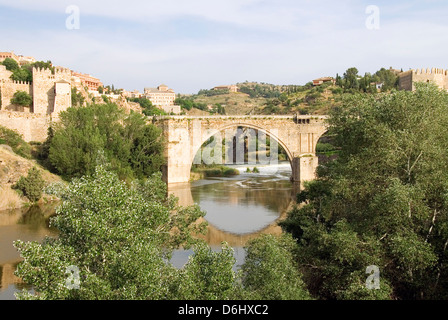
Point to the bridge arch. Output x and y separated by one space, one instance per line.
268 132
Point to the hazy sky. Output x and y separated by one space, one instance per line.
199 44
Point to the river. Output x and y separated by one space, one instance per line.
237 208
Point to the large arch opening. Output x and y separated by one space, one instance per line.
239 145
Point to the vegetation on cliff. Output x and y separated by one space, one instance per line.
25 72
17 159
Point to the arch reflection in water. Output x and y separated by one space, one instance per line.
241 207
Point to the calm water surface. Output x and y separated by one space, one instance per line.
237 209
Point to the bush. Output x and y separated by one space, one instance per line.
32 185
22 98
15 141
220 171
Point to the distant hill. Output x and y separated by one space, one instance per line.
260 98
264 98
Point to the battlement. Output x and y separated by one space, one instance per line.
43 71
21 82
431 71
62 70
438 76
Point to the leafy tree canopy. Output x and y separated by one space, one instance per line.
130 144
383 201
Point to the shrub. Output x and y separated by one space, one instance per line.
32 185
15 141
22 98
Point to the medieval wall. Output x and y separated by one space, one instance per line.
8 88
33 127
4 73
44 89
437 76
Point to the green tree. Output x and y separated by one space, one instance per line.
22 98
270 272
130 144
77 98
10 64
32 185
351 79
388 78
22 74
382 202
15 140
145 145
208 275
117 236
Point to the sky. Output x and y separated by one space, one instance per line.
198 44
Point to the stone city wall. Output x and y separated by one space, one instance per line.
437 76
33 127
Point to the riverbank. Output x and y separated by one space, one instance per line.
12 167
199 172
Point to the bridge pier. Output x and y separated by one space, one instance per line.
304 168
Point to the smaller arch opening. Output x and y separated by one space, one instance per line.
326 150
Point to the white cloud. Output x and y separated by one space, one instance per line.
281 42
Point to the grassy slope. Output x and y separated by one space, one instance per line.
309 101
12 166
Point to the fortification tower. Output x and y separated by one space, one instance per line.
45 90
437 76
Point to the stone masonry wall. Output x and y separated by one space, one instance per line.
33 127
8 88
437 76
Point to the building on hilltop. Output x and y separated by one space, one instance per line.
407 79
11 55
91 82
231 88
132 94
21 60
160 96
319 81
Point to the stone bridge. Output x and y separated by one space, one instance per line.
184 136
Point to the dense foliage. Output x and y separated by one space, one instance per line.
189 103
383 202
130 144
77 98
32 185
22 98
116 239
25 72
352 82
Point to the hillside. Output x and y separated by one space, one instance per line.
265 98
12 167
260 98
